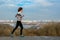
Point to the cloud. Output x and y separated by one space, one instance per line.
43 2
26 2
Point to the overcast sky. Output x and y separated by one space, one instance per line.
32 9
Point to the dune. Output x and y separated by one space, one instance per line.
49 29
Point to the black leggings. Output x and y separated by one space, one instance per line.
18 24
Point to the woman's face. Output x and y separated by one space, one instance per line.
21 11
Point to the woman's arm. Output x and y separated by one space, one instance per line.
22 15
16 15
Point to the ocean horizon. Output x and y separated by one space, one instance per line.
26 22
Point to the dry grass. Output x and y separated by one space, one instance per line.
49 29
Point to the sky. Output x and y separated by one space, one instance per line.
32 9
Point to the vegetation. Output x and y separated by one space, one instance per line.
49 29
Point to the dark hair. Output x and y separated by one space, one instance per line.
19 9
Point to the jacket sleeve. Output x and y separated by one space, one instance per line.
16 15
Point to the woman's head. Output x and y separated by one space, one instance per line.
20 9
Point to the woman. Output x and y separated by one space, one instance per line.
19 23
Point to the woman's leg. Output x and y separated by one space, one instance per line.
21 31
15 27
